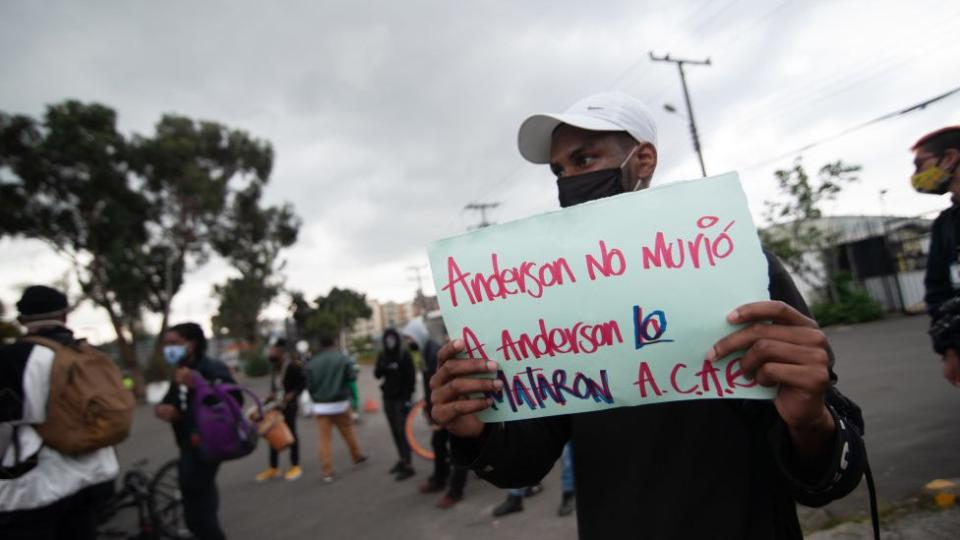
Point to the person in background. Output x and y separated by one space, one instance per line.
285 393
444 469
395 367
185 348
44 494
937 164
567 483
329 375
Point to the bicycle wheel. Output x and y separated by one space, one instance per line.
165 502
413 429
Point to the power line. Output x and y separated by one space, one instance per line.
795 98
912 108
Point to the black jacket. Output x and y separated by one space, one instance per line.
943 253
682 470
395 367
293 381
214 371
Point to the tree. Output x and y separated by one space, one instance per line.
346 306
256 237
795 234
191 173
65 182
7 330
132 215
328 316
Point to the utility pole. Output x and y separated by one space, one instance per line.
417 270
482 208
686 96
889 259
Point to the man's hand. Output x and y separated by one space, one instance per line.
453 408
951 367
783 346
183 375
166 412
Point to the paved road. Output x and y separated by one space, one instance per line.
912 434
912 427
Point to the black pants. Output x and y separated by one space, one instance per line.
73 517
442 465
397 411
290 417
198 487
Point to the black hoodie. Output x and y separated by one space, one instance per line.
395 367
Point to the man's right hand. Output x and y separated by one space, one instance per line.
453 407
951 367
166 412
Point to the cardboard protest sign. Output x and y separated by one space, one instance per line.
607 304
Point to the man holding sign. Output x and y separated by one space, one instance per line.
685 466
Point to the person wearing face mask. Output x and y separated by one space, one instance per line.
287 381
685 469
395 367
45 494
937 163
185 348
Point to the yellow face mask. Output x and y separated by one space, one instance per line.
934 180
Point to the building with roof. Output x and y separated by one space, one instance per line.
886 254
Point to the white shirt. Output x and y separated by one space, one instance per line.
330 409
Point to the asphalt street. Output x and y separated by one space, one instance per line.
886 367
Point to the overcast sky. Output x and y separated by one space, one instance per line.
387 117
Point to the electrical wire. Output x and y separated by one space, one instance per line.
895 114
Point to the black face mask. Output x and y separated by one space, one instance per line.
593 185
590 186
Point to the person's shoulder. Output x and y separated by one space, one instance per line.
947 214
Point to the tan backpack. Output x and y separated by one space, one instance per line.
88 407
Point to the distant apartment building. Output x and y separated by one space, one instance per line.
393 315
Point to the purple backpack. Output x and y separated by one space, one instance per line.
223 432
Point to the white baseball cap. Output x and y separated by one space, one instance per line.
606 111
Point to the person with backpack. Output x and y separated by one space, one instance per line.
395 367
56 469
185 347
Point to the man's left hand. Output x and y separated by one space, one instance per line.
784 347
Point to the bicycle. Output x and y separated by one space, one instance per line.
157 502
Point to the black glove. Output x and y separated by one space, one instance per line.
945 331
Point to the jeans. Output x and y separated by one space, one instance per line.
566 475
344 424
70 518
442 465
397 411
198 487
290 417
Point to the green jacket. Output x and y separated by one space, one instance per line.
328 377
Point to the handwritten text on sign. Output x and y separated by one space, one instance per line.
608 304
